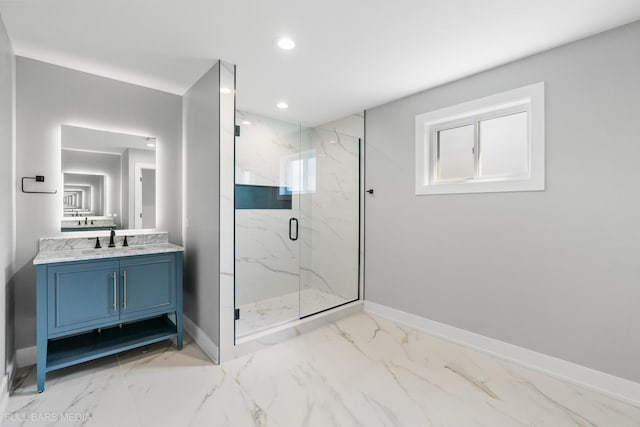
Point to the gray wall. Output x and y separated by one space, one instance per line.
7 194
555 271
201 123
48 96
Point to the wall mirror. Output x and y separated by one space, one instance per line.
109 180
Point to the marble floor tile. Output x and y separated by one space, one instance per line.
359 371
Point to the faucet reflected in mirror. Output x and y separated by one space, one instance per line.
108 179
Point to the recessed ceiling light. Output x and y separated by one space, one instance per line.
333 141
225 90
286 43
282 105
151 145
246 122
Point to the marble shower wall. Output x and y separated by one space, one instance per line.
325 258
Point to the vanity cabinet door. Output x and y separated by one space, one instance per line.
148 285
81 296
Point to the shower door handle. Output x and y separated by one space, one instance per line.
291 235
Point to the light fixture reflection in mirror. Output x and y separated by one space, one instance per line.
108 179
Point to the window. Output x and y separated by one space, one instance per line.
486 145
298 173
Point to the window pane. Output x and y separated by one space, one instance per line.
294 181
310 175
503 146
455 153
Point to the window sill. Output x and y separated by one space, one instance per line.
480 186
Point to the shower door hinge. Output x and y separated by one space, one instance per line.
236 315
237 132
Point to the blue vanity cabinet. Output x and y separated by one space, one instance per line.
147 285
88 309
81 296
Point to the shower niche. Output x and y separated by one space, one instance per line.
297 221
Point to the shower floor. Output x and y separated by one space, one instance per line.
265 314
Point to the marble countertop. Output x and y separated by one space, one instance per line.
64 255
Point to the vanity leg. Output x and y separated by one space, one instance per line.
41 361
41 326
179 299
40 375
179 327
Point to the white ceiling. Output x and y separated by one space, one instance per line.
350 54
102 141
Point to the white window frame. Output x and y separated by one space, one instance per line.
528 98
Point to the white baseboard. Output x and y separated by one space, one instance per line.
26 356
204 342
601 382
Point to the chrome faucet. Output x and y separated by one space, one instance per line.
112 244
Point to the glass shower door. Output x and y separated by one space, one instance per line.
329 220
297 222
267 223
